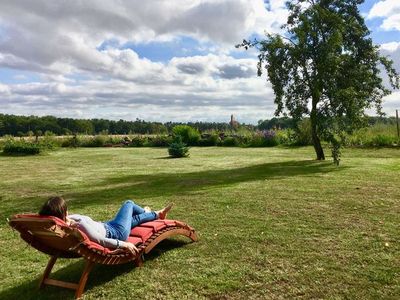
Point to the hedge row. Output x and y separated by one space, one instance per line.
375 136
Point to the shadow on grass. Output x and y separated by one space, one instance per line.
100 275
116 189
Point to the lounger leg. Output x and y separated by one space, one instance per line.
139 260
47 271
82 282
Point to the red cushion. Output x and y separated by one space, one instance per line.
134 240
169 222
156 226
143 232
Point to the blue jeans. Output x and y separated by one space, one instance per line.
128 216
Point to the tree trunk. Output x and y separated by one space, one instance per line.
314 134
317 143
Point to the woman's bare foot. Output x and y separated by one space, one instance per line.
162 214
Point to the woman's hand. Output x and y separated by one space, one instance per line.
129 246
72 223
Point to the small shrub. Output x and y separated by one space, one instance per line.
377 135
178 148
266 138
303 133
382 140
49 141
230 141
113 140
159 141
270 139
138 141
209 140
96 141
21 147
73 141
286 137
189 135
243 140
257 140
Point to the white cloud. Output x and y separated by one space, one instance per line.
384 8
4 89
390 47
392 23
389 10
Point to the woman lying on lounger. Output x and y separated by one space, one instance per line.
111 234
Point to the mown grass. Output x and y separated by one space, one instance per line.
273 224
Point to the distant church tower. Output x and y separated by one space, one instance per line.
233 122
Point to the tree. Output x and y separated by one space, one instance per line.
325 66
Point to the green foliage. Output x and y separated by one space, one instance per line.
303 133
265 138
96 141
230 141
11 124
325 67
189 135
257 141
21 147
286 137
209 140
377 135
159 141
49 142
177 148
73 141
138 141
336 150
13 146
276 123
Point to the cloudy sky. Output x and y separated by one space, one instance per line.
158 60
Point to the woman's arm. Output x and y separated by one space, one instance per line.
96 233
116 244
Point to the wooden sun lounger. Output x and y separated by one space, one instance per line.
54 237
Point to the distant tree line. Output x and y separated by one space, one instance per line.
33 125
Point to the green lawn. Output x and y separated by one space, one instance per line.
273 224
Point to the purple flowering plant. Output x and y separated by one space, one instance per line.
269 134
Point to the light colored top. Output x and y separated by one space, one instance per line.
95 231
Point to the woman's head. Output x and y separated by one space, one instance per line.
56 207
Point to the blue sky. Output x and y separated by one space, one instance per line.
156 60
